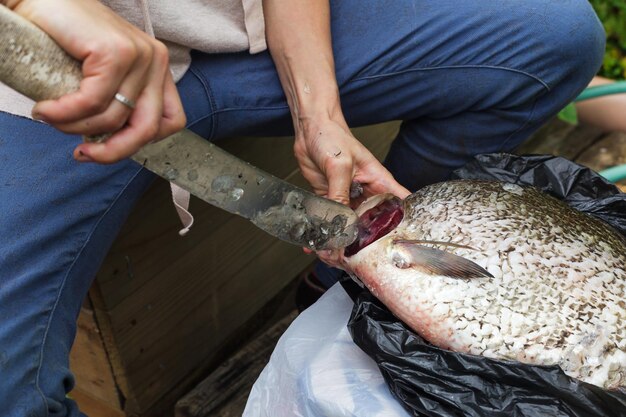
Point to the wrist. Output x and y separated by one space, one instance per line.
313 123
313 107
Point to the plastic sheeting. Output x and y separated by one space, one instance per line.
317 371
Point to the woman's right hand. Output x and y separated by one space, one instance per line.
116 57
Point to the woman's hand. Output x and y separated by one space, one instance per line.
117 58
331 159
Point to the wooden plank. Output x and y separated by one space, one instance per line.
225 391
562 139
95 407
168 303
90 365
608 152
281 305
189 340
585 145
142 239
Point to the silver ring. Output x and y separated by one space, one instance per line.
124 100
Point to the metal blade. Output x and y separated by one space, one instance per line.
223 180
33 64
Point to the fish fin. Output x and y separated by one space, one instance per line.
439 262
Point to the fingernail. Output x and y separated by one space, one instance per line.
38 116
81 157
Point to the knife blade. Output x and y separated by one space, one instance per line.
33 64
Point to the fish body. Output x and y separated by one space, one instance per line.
552 288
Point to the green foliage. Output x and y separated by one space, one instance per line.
612 13
569 114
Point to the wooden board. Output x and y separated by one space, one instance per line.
167 305
225 392
588 146
607 152
562 139
92 370
95 407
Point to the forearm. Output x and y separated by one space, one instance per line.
299 40
329 156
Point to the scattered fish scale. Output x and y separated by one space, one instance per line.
557 286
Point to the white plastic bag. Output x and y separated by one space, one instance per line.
317 371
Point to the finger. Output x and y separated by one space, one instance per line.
174 118
143 126
331 257
313 176
339 171
103 77
387 184
117 113
398 190
376 179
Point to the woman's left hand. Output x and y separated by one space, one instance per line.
331 159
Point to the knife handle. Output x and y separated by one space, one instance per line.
33 64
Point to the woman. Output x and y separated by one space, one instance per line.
465 77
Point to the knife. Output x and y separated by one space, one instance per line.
33 64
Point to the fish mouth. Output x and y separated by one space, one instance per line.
377 217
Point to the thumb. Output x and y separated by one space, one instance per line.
399 191
339 181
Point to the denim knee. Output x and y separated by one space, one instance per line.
576 40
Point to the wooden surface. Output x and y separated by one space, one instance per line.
168 306
608 151
90 364
224 393
585 145
94 407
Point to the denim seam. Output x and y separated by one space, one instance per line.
530 116
62 287
251 109
209 93
371 77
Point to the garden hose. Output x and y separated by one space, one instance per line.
602 90
617 173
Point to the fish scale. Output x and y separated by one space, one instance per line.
556 295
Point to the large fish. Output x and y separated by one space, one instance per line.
502 271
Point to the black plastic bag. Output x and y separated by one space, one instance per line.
434 382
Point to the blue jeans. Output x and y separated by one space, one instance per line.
465 77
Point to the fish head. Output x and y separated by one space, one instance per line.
381 223
378 215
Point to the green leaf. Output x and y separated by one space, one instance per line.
568 114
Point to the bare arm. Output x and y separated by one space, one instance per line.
299 40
